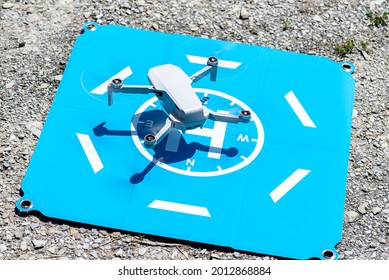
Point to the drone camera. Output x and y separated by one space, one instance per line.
116 83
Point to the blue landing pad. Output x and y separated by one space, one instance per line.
274 186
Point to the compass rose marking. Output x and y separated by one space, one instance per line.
122 75
299 109
90 152
179 207
288 184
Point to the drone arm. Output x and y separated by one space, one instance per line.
164 131
244 117
116 86
211 69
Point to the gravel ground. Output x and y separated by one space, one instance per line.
35 42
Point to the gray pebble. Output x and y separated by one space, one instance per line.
142 251
3 247
119 252
351 216
23 246
376 210
18 234
362 209
86 246
215 256
244 14
236 254
7 5
94 254
38 244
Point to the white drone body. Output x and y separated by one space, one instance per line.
173 88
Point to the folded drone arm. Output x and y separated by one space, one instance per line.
244 117
211 69
117 86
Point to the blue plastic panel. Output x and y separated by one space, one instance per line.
274 186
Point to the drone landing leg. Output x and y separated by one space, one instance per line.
152 140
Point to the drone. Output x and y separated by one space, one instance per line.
173 88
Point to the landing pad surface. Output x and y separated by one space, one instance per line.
273 186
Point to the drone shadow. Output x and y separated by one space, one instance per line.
150 122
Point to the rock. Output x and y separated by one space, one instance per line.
119 253
236 254
34 225
348 253
23 246
385 211
373 244
382 240
244 14
318 19
8 5
142 251
215 256
9 85
3 247
376 210
204 251
51 249
38 244
362 209
34 127
58 77
94 254
86 246
351 216
18 234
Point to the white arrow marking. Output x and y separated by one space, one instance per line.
221 63
299 110
90 152
181 208
125 73
288 184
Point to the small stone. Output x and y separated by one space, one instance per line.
376 210
204 251
21 44
355 113
87 14
362 209
9 85
23 246
373 244
119 253
142 251
44 85
34 127
351 216
98 240
51 249
244 14
373 255
348 253
58 77
73 231
3 247
38 244
18 234
7 5
215 256
174 254
34 225
115 234
382 240
94 254
86 246
236 254
318 18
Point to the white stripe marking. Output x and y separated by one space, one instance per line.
125 73
221 63
181 208
254 140
243 157
219 168
288 184
90 152
299 110
188 168
153 105
232 103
